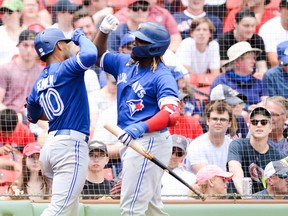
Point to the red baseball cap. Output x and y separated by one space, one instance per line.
32 148
210 171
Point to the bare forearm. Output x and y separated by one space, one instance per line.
100 42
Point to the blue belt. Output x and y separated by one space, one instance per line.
70 132
163 130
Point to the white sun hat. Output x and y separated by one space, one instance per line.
239 49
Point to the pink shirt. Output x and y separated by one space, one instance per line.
17 84
156 14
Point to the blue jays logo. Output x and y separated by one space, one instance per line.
135 105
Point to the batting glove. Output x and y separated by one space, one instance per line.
109 23
76 35
132 132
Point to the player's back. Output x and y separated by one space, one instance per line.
61 91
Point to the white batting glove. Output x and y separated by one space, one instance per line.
125 138
109 23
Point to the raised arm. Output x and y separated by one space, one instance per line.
109 23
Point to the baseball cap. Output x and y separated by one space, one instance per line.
275 167
182 95
32 148
226 93
239 49
282 52
260 110
26 35
66 5
176 72
36 27
13 5
179 141
127 38
210 171
97 145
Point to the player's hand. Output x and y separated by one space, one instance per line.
133 131
109 23
76 35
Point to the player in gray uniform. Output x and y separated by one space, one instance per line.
59 95
147 98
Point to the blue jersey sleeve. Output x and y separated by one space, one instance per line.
88 53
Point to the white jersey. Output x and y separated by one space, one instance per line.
201 150
199 62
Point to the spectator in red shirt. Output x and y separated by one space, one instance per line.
188 126
12 132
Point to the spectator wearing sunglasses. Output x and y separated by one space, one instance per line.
211 179
171 187
276 78
10 30
212 146
156 14
275 182
248 157
277 106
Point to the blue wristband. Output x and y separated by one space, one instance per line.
137 130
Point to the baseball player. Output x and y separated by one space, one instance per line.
147 104
59 96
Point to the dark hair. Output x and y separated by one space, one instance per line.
80 14
8 120
25 178
220 107
246 12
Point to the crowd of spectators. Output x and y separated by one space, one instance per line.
241 131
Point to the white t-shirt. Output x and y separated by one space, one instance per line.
201 150
273 34
198 62
8 46
172 188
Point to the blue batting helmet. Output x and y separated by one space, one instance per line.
46 40
158 37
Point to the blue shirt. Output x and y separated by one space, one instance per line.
281 146
253 88
60 91
185 21
276 81
139 90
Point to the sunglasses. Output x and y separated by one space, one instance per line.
6 10
136 8
128 47
262 121
222 120
282 176
177 152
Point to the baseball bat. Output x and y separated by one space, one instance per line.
116 131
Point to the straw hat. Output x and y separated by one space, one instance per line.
239 49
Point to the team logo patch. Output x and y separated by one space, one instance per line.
135 105
256 172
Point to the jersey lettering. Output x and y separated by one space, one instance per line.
138 89
122 77
51 103
45 83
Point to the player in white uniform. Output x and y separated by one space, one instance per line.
147 104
